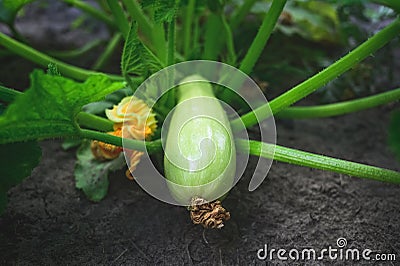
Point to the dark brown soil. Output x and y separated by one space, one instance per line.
49 222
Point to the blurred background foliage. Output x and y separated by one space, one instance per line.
312 35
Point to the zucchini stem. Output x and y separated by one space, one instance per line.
262 36
42 59
119 16
302 158
340 108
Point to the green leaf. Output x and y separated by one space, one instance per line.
394 133
91 175
137 59
48 108
164 10
10 8
18 160
313 20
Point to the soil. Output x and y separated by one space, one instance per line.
49 222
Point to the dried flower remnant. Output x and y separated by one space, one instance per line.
208 214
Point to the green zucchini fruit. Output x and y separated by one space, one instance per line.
200 156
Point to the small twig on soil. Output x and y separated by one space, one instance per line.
119 256
204 237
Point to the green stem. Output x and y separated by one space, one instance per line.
154 33
8 95
230 44
94 122
159 43
196 33
212 37
137 14
323 77
94 12
106 55
308 159
187 27
42 59
151 146
241 12
171 43
262 36
119 17
341 108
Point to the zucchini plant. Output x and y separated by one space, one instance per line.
114 116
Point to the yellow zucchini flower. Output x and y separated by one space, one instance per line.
132 119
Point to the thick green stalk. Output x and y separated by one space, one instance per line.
42 59
308 159
159 43
196 33
333 71
106 55
91 11
212 37
262 36
137 14
151 146
154 33
230 45
119 17
94 122
341 108
187 27
171 43
241 12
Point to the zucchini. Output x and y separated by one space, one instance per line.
200 155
